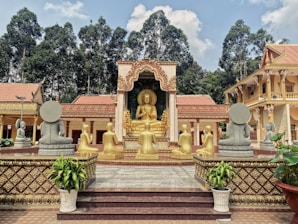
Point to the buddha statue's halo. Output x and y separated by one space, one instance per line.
239 113
152 94
51 111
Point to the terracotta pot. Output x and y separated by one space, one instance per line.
291 194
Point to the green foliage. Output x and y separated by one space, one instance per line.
22 33
277 139
224 136
219 175
68 173
6 142
287 156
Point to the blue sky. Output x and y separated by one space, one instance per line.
205 22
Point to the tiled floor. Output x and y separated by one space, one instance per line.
111 176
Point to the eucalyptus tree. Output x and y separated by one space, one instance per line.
191 81
5 53
94 44
134 46
22 33
115 51
53 60
235 51
158 40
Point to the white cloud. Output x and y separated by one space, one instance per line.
283 21
68 9
185 20
268 3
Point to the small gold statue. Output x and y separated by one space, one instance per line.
185 149
85 139
146 140
207 139
111 148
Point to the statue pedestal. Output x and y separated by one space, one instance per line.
267 145
56 150
147 157
86 152
182 157
110 156
22 144
235 151
131 143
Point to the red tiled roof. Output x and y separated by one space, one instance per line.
194 100
95 99
189 106
88 110
9 91
281 54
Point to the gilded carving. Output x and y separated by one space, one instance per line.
139 67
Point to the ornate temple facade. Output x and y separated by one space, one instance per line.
271 92
196 111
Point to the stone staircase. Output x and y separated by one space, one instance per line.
144 204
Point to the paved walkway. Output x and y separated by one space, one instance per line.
111 176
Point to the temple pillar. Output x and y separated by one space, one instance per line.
289 124
1 125
173 117
198 142
35 118
119 130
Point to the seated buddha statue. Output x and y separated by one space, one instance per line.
146 113
184 151
112 150
86 138
207 140
21 139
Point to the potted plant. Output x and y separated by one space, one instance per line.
287 175
69 175
218 178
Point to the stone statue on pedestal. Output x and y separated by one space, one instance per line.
267 143
237 143
111 148
21 140
52 141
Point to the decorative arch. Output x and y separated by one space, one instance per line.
142 66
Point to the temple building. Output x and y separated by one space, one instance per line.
271 92
134 77
20 100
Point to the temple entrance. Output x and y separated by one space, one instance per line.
146 82
146 92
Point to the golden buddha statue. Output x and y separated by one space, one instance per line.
85 139
208 147
146 112
146 140
184 142
111 148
